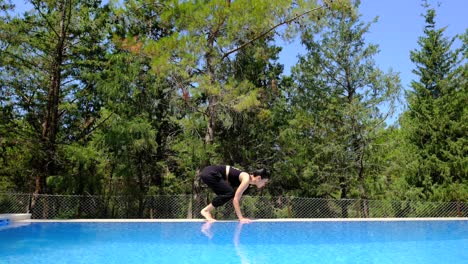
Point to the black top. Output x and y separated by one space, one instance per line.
232 178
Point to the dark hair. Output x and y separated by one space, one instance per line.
263 173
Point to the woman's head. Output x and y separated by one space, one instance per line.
263 173
260 177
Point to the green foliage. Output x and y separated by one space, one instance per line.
436 120
333 136
206 36
48 74
134 97
138 118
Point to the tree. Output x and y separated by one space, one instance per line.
249 137
436 119
208 34
140 105
337 102
49 56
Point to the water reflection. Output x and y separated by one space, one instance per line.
239 248
206 229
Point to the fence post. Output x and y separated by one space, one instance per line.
190 207
28 208
459 214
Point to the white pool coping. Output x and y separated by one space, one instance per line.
256 220
16 217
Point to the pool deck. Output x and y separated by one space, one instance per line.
255 220
16 217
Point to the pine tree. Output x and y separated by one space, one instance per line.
138 105
436 120
337 103
49 57
208 34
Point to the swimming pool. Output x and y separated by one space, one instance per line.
231 242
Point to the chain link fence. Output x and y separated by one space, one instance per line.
188 206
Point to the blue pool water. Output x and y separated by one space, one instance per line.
4 221
230 242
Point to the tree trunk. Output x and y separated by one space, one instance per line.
142 189
209 136
195 203
362 191
344 197
50 124
212 99
361 178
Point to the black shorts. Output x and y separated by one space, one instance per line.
213 177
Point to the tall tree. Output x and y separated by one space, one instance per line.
208 34
49 56
249 137
139 104
337 102
436 119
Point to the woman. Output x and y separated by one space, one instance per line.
223 180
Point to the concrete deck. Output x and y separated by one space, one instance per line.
16 217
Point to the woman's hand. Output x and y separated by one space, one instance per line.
245 220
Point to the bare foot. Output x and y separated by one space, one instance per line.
207 215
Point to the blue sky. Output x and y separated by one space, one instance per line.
396 32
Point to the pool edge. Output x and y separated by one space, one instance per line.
16 217
256 220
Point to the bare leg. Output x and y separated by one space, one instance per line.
206 212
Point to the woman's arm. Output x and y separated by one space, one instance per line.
245 180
